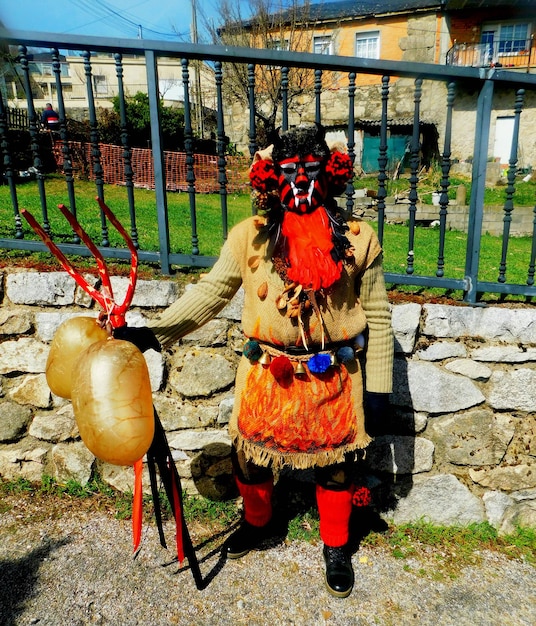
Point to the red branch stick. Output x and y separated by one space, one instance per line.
115 312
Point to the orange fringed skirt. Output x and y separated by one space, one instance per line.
308 421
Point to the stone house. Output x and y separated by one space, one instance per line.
495 35
104 81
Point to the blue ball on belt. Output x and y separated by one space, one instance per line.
252 350
319 363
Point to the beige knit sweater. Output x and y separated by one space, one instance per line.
358 301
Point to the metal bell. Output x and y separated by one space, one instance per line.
300 369
265 359
333 359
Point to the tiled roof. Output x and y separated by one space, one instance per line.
363 8
395 121
344 9
452 5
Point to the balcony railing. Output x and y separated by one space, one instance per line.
518 53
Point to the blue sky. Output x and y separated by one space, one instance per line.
159 19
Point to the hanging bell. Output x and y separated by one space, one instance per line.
300 369
265 359
333 359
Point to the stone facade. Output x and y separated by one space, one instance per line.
415 37
460 445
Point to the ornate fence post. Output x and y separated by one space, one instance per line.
414 178
34 136
382 158
190 159
95 148
8 169
445 180
221 143
127 152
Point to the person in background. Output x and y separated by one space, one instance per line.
49 118
315 307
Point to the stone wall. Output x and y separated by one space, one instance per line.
521 224
459 447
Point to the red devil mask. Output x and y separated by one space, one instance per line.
302 183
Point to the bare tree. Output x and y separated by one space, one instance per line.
270 27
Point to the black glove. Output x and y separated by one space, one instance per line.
377 413
143 338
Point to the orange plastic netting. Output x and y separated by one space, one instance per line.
113 168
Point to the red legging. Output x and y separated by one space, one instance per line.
257 501
334 510
334 493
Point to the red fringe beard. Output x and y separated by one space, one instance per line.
309 246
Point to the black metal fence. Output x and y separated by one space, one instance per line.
482 83
17 119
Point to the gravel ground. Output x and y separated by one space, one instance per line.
75 567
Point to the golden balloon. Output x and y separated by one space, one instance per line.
112 401
71 339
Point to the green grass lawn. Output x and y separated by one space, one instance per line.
208 210
426 250
525 192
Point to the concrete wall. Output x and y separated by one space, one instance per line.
459 447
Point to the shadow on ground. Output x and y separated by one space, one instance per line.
18 580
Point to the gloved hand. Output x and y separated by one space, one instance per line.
377 413
143 338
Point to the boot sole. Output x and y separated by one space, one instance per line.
338 594
237 555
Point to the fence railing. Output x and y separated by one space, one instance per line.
415 76
510 53
17 119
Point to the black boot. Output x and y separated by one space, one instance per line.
339 572
246 538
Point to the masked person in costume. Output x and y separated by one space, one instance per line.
314 288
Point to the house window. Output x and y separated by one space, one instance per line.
65 88
43 69
47 69
278 44
323 45
100 85
367 45
504 39
513 38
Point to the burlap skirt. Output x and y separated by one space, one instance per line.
309 420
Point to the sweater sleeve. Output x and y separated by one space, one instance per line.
200 303
380 345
